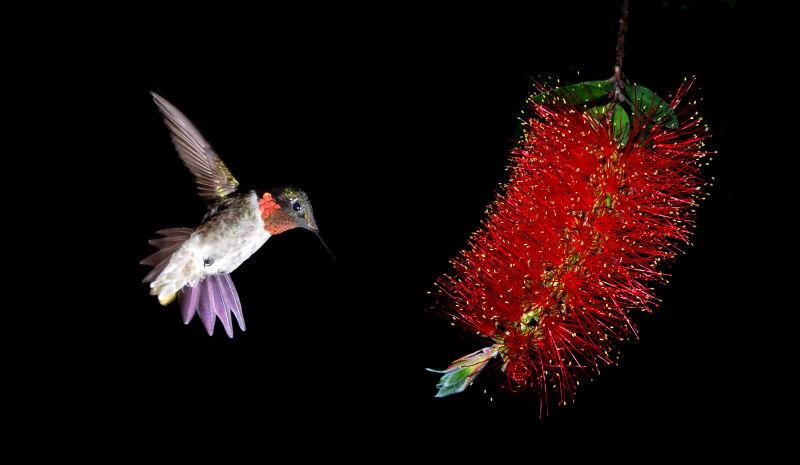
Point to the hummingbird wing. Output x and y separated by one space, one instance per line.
214 180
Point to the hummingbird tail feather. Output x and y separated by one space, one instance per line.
232 297
188 299
213 297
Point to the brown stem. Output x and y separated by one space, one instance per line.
617 78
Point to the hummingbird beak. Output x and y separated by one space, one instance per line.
311 225
316 233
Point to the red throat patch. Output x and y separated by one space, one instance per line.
276 220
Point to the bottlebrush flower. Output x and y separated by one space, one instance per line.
598 197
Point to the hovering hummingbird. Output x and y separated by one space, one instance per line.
195 265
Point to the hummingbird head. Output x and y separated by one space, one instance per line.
286 208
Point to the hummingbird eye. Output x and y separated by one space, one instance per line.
297 206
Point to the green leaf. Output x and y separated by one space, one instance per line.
598 112
619 121
646 102
621 124
576 94
462 372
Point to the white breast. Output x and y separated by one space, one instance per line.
238 243
226 247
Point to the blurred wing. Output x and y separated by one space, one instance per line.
213 179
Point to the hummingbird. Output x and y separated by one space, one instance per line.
194 265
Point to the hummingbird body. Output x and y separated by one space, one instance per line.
194 265
231 233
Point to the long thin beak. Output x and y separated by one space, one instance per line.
324 244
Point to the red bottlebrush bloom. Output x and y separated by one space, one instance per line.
595 201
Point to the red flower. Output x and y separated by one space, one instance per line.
573 242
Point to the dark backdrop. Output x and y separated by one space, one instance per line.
398 124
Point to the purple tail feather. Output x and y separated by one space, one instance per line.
213 297
232 297
188 299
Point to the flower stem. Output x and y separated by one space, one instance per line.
617 78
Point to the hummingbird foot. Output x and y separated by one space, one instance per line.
167 298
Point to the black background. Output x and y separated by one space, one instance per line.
397 123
